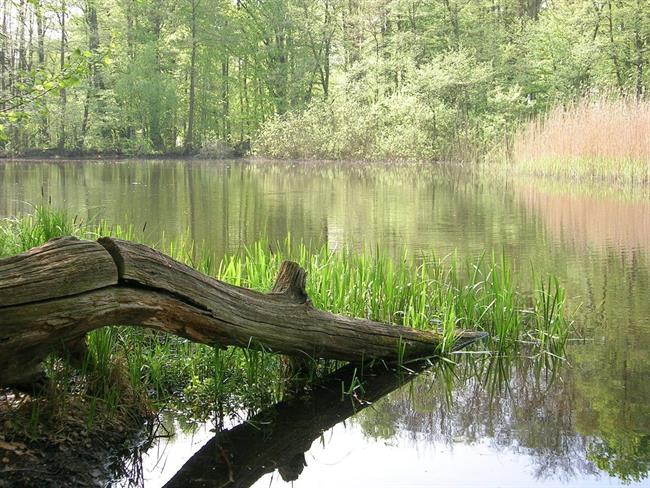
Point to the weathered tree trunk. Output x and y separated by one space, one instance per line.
54 294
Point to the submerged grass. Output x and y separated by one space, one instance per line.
426 292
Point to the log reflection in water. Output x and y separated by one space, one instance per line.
278 437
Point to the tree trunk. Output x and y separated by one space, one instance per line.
225 97
95 81
40 49
63 94
4 48
22 57
639 47
613 50
54 294
189 136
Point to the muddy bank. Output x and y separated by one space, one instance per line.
80 443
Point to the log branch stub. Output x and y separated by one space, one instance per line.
291 282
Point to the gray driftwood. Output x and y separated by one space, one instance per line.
54 294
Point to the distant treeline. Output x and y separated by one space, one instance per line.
361 79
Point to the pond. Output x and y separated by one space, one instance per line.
588 425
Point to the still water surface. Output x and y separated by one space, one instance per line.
588 427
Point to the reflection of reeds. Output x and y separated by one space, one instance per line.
588 220
608 139
516 403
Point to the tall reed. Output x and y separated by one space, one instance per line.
604 139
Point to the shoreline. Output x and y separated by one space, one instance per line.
115 157
65 450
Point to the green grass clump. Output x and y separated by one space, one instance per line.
424 292
33 229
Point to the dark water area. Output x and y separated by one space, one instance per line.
589 425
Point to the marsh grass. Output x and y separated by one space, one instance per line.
33 229
426 292
606 139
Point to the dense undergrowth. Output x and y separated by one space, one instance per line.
135 366
450 109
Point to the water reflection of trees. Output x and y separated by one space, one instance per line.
525 406
226 205
278 436
517 405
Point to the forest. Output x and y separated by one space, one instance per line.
329 79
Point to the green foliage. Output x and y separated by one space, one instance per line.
624 455
448 108
29 96
452 80
369 79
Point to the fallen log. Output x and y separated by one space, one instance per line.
54 294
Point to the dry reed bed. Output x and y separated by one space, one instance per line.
606 139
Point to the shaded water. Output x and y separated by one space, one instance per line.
589 427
